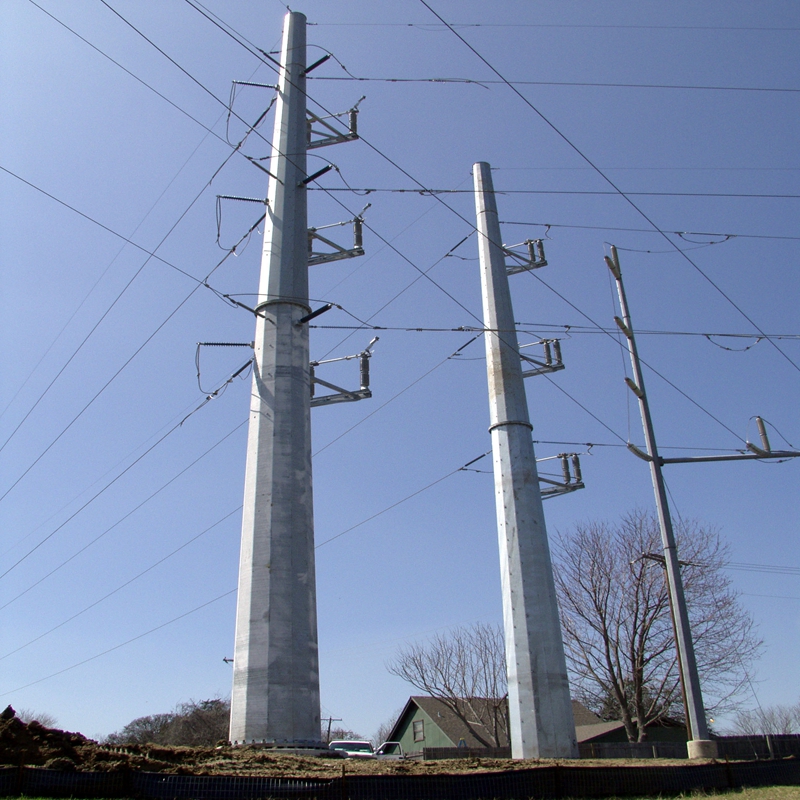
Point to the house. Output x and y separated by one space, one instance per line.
427 724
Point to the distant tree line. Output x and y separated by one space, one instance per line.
195 723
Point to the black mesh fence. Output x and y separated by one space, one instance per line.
542 782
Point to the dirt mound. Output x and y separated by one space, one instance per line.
34 745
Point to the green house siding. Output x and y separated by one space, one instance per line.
433 735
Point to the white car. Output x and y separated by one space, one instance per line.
390 751
353 749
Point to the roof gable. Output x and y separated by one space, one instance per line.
478 712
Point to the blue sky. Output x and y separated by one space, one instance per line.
120 528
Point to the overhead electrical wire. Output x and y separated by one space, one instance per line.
132 75
397 166
150 254
398 394
446 26
602 192
122 473
141 347
608 180
472 226
193 609
682 234
121 586
580 84
125 516
122 644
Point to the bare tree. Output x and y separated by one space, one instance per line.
42 717
466 670
385 728
617 625
773 721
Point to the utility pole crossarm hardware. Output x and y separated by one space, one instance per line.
535 259
330 134
343 395
756 453
572 478
552 358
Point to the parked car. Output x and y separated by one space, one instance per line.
390 751
353 749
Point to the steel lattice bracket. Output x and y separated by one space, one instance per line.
552 358
342 395
573 480
338 252
535 258
330 134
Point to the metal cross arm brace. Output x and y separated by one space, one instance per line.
535 258
342 395
330 134
572 479
552 358
756 453
339 252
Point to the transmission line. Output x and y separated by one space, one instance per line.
608 180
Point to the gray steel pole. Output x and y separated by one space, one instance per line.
540 711
275 669
700 746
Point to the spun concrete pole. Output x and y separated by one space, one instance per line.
540 710
275 693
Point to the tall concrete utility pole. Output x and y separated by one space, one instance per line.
275 694
540 711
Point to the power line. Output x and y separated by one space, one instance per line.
124 69
768 568
399 502
608 180
472 226
599 192
130 513
445 26
120 475
97 282
122 586
651 231
125 643
581 84
398 394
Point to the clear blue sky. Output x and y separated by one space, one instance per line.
690 109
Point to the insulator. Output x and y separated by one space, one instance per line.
358 233
540 249
310 243
548 355
565 467
308 131
365 372
576 468
354 123
762 432
313 382
557 350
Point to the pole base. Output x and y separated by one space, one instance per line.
702 748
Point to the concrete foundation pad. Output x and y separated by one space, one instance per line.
702 748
